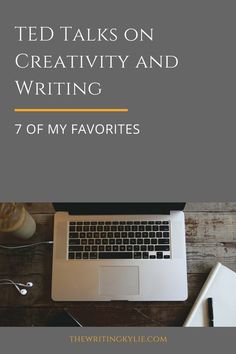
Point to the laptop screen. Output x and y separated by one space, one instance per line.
117 208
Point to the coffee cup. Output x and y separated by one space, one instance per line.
16 221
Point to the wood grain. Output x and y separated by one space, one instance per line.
213 207
210 237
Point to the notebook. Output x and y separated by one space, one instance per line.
221 286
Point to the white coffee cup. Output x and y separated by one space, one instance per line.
17 221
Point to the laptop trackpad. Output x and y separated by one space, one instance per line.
119 280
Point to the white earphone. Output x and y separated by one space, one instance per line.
17 285
20 287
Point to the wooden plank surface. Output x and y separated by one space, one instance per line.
213 207
210 237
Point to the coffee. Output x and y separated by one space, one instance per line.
15 220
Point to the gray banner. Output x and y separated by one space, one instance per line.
127 340
186 146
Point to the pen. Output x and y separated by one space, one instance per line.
210 312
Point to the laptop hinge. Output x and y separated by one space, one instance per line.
118 208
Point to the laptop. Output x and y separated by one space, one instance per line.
119 251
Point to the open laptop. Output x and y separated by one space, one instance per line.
119 251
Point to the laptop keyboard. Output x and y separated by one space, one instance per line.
119 240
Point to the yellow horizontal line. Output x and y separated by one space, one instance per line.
70 110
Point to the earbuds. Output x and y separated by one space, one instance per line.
27 285
23 291
18 286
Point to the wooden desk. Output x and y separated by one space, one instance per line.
211 237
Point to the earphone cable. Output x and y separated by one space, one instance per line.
11 282
25 246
